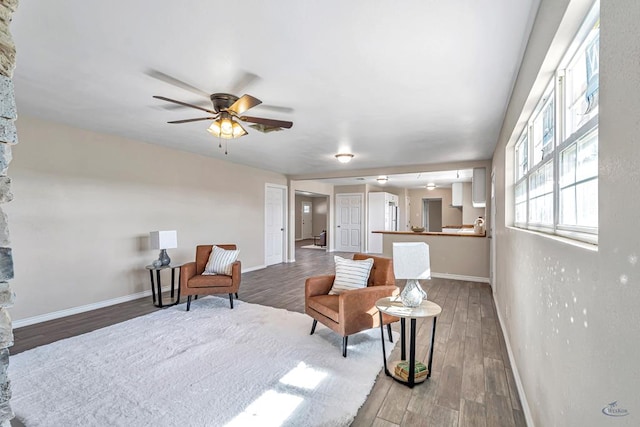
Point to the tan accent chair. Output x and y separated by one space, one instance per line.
355 310
192 282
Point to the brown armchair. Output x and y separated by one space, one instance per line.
354 310
192 282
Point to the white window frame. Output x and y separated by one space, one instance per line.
556 89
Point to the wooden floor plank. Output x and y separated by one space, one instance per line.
467 333
472 414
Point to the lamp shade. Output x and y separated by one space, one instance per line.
163 239
411 260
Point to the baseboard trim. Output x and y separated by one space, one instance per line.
460 277
96 305
81 309
257 267
526 410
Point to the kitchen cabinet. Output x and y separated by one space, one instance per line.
456 194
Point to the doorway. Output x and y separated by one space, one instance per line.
307 220
432 214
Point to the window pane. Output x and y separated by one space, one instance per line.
521 202
568 166
568 206
582 83
543 130
522 157
541 195
587 158
587 203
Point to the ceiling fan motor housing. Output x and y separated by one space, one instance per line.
222 101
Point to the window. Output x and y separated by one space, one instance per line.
556 156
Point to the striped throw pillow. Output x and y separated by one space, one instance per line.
350 274
220 261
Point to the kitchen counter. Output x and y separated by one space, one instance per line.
453 255
462 233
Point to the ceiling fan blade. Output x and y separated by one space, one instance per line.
185 104
244 103
175 82
192 120
265 129
243 81
267 122
171 107
276 108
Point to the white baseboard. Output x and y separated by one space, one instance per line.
100 304
526 410
81 309
257 267
460 277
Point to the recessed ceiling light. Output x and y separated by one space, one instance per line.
382 179
431 186
344 157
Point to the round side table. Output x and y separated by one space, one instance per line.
394 307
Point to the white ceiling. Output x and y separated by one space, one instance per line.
395 83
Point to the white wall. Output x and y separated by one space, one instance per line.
570 313
85 203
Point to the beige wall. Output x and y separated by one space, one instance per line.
570 313
450 215
320 212
86 202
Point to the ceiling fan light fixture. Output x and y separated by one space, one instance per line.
382 179
431 186
344 157
226 128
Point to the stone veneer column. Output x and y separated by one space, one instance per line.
8 137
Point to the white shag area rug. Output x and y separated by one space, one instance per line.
212 366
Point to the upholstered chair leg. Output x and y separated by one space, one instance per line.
188 302
344 346
236 295
389 331
313 327
231 300
196 296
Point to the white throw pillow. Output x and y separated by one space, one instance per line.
220 261
350 274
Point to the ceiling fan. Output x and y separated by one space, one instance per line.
226 110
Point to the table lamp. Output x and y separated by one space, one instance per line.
163 240
411 262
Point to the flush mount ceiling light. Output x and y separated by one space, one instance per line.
431 186
344 157
382 179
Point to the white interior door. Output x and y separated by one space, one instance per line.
349 211
307 220
275 220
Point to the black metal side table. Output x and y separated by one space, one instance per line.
394 307
157 284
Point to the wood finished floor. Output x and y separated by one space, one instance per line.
471 383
